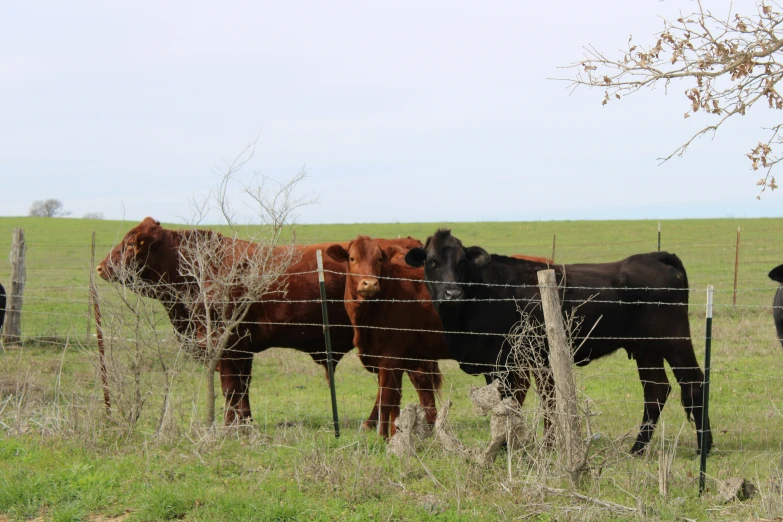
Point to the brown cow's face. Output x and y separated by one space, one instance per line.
137 257
365 260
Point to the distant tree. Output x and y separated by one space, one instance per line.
728 65
93 215
48 208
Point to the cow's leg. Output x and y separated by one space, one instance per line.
372 420
545 383
368 361
390 383
235 372
682 360
656 389
521 383
426 378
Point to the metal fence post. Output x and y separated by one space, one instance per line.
328 338
736 268
706 390
659 236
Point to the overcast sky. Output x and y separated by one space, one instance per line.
403 111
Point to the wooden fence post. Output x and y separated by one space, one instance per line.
92 285
12 332
569 427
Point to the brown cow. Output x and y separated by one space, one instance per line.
294 322
395 325
396 329
535 259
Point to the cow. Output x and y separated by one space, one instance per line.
776 274
639 303
396 327
292 320
2 306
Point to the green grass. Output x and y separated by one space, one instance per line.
61 460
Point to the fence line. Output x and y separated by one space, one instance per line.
725 373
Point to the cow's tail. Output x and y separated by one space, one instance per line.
673 261
2 306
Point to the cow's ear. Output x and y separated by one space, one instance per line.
776 274
477 255
338 253
416 257
393 253
144 242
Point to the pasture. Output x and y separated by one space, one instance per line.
62 459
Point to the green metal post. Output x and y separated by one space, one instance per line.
327 336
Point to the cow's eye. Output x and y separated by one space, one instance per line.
352 259
433 263
131 244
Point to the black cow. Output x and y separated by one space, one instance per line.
776 274
639 303
2 307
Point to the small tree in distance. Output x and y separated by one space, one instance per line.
728 63
48 208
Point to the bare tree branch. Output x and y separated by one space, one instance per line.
730 65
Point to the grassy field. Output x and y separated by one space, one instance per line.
60 458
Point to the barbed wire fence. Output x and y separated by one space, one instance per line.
51 382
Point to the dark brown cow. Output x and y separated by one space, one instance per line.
292 321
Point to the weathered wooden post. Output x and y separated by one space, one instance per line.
569 427
12 332
92 285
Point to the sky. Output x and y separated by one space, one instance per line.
398 112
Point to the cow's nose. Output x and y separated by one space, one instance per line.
99 269
452 293
369 286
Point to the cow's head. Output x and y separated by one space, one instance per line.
446 263
139 257
364 260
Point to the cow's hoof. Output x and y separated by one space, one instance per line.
638 449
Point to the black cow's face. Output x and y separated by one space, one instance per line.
446 265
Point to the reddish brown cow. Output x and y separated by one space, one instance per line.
535 259
396 329
293 322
